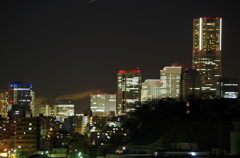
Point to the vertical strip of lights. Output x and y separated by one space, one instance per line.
200 32
220 38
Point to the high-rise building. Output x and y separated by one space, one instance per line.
128 90
206 56
170 78
190 84
150 90
21 99
103 104
3 103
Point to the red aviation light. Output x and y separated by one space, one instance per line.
124 71
209 18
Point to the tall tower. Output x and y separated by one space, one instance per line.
129 91
206 56
170 78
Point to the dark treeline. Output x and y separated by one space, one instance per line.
205 122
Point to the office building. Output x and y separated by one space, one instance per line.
27 139
206 56
229 87
44 109
63 110
170 78
129 85
3 103
150 90
190 84
103 104
75 124
21 99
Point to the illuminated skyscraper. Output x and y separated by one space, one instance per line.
103 104
150 89
129 91
21 99
206 57
3 103
170 78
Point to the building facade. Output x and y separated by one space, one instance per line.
229 87
3 103
63 110
206 56
44 109
150 90
27 131
21 99
103 104
129 91
190 84
170 78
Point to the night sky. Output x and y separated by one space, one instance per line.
69 49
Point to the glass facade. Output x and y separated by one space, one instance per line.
129 90
170 78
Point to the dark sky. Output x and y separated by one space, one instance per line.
69 49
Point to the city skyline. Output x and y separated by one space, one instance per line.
77 48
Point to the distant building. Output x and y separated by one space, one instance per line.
103 104
21 99
3 103
170 78
150 90
99 121
129 85
44 109
63 110
75 124
229 87
206 56
190 84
